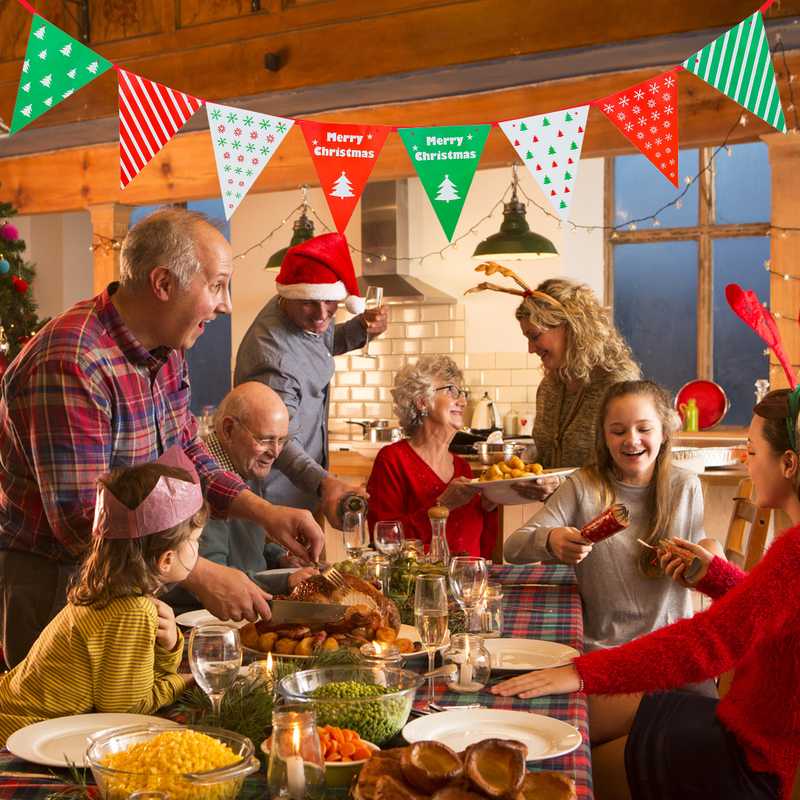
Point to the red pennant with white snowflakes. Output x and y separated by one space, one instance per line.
343 156
550 147
243 142
149 116
648 115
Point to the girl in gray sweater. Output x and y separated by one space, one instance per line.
625 592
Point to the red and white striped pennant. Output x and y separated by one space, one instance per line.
149 116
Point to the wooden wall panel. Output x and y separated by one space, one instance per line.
200 12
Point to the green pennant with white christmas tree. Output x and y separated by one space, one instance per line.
55 66
739 65
445 159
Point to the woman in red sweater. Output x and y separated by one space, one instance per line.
667 744
411 476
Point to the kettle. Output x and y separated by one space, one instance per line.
485 417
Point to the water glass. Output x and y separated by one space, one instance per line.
388 536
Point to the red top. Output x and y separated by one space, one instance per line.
753 626
402 486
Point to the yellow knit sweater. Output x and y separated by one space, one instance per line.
89 660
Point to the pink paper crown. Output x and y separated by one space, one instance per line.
171 502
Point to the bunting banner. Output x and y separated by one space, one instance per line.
445 159
648 115
343 156
55 66
243 143
739 65
149 116
550 147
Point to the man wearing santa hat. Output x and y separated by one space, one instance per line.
290 347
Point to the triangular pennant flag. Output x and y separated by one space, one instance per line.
561 139
343 156
445 159
739 65
243 141
149 116
55 66
648 115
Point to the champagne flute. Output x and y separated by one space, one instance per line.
389 537
372 300
354 533
430 617
215 656
469 576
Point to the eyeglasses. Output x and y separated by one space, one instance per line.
453 391
265 444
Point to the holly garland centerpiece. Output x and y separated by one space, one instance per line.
18 318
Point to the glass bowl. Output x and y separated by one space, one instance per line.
376 718
223 783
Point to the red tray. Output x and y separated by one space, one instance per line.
712 402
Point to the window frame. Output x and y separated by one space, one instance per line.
704 233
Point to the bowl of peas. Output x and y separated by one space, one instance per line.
374 702
185 763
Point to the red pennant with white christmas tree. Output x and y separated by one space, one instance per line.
343 156
243 141
550 147
149 116
648 115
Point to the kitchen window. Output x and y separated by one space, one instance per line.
667 280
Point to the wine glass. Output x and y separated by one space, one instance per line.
354 532
389 537
430 617
215 656
468 578
372 300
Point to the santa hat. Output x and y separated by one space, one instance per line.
320 269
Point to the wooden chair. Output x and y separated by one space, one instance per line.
746 551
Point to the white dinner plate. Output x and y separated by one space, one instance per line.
500 492
191 619
544 737
54 742
524 655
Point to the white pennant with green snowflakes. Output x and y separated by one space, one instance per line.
244 142
739 65
550 147
55 66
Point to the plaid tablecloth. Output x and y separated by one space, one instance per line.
564 625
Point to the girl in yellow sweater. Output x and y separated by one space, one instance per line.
115 647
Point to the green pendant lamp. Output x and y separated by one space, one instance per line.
303 231
516 241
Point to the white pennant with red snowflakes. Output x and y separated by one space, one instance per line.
550 147
648 115
149 116
244 142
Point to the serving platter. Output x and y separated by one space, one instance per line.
502 493
525 655
544 737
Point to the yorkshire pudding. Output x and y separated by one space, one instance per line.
495 768
429 766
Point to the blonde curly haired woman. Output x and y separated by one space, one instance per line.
582 355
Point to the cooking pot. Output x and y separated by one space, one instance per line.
492 452
378 430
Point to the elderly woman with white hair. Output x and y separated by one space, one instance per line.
411 476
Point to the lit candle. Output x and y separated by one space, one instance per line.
295 769
465 671
268 667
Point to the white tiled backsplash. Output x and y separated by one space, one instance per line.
361 386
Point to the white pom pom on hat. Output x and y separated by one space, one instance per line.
320 269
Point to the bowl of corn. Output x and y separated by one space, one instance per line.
186 763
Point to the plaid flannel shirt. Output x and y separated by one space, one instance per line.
82 398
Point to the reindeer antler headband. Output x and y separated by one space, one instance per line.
490 268
746 306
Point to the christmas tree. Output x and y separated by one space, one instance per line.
447 190
18 318
342 187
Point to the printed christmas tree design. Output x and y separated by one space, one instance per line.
342 187
447 190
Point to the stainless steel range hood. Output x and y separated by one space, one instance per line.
384 232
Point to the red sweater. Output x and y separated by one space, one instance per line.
754 627
402 486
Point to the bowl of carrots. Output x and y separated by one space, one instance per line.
344 751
